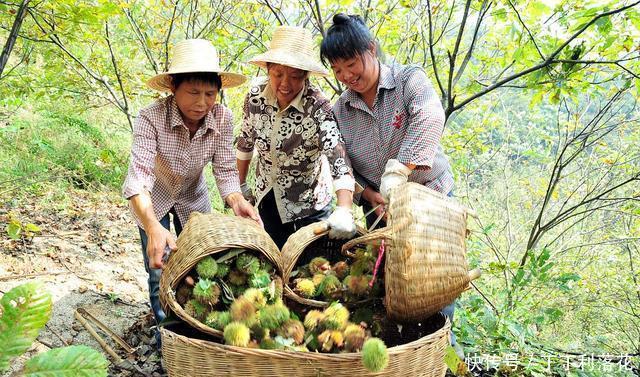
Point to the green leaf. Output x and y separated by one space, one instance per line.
14 229
68 361
33 228
26 309
457 366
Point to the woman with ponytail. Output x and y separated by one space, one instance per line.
390 117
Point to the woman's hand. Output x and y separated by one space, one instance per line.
375 199
159 239
241 207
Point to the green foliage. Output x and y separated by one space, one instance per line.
63 120
25 310
17 229
69 361
54 147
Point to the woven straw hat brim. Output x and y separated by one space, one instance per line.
290 59
191 56
162 81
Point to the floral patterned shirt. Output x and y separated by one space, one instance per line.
300 150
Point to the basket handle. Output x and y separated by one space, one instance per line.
374 235
321 229
474 274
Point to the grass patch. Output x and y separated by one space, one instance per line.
56 148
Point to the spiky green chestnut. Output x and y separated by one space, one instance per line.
207 268
256 297
317 279
236 334
207 292
273 316
319 265
195 309
357 285
243 310
354 336
312 319
247 263
336 317
305 288
374 355
260 279
292 329
215 320
223 270
331 287
363 264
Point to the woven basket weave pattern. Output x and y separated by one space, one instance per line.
185 356
425 266
294 249
208 234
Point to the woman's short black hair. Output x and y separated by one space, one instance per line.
348 37
203 77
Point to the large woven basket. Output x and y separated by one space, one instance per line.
207 234
425 264
184 356
297 246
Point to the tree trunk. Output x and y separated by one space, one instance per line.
22 12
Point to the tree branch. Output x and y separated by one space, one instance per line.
13 35
544 63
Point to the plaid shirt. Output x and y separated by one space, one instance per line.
406 123
300 150
169 165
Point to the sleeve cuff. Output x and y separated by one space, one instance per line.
346 182
135 189
240 155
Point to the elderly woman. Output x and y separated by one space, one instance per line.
301 155
391 119
173 139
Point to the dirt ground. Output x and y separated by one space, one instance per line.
88 256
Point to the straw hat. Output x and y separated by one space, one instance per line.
291 46
194 55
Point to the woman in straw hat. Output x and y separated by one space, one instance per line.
173 139
391 119
301 154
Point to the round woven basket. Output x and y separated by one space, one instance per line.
184 356
295 248
425 264
207 234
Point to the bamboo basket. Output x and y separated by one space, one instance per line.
184 356
296 246
425 262
208 234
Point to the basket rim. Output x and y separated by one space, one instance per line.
346 356
301 239
180 264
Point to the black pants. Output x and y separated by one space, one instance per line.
278 231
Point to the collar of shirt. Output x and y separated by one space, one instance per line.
385 81
271 99
176 117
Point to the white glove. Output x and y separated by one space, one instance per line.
341 224
395 174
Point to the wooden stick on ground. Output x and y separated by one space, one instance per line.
98 338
